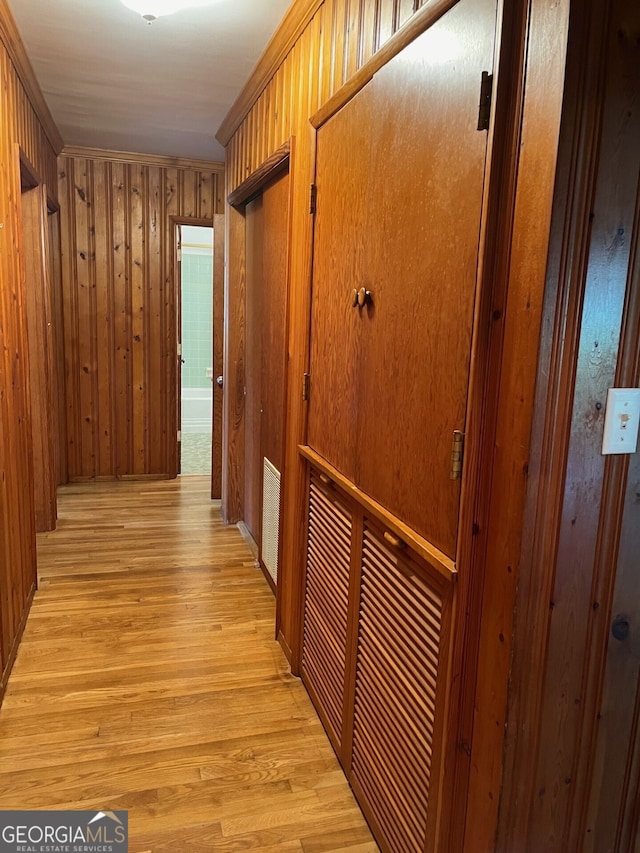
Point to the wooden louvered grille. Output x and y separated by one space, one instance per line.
395 703
326 605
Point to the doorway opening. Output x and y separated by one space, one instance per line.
196 348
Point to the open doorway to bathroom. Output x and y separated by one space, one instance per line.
196 254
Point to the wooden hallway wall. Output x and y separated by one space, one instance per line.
119 305
323 54
26 125
320 47
574 716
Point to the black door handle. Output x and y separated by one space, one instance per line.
620 628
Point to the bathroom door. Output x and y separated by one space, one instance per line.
179 359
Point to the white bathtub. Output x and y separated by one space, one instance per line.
197 407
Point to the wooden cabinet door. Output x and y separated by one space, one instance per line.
425 190
400 691
326 609
340 264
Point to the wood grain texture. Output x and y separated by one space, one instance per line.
55 250
20 129
149 679
421 267
275 106
577 686
267 232
120 309
233 446
340 266
275 286
41 354
255 236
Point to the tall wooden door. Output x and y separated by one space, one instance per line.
266 319
41 359
398 215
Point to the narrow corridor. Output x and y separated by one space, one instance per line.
148 679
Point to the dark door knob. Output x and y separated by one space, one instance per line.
620 628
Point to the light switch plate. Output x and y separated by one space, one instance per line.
622 418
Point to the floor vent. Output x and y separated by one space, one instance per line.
270 518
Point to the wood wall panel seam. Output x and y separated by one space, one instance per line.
131 157
129 226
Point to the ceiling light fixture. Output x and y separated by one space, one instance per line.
151 10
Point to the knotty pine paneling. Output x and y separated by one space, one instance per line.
119 309
19 128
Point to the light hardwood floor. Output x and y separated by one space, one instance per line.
148 679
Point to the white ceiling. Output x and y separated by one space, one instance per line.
113 81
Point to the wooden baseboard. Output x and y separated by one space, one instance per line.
4 679
287 651
126 477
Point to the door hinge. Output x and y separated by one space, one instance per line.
179 349
457 453
179 436
484 110
306 386
313 199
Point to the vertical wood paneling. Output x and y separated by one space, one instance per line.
119 308
19 127
58 325
40 336
575 694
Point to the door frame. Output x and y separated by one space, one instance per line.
283 159
217 223
34 208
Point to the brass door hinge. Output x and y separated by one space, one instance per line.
306 386
484 110
313 199
457 454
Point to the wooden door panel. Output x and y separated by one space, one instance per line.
41 358
324 648
426 195
275 203
399 694
254 223
340 249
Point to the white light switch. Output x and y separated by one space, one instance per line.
621 421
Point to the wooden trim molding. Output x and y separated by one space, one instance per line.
4 676
10 37
415 26
142 159
274 164
293 25
439 561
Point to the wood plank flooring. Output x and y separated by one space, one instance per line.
148 679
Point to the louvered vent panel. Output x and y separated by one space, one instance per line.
270 518
395 705
326 604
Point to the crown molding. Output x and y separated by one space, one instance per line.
10 37
142 159
293 25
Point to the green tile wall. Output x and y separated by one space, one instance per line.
197 308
